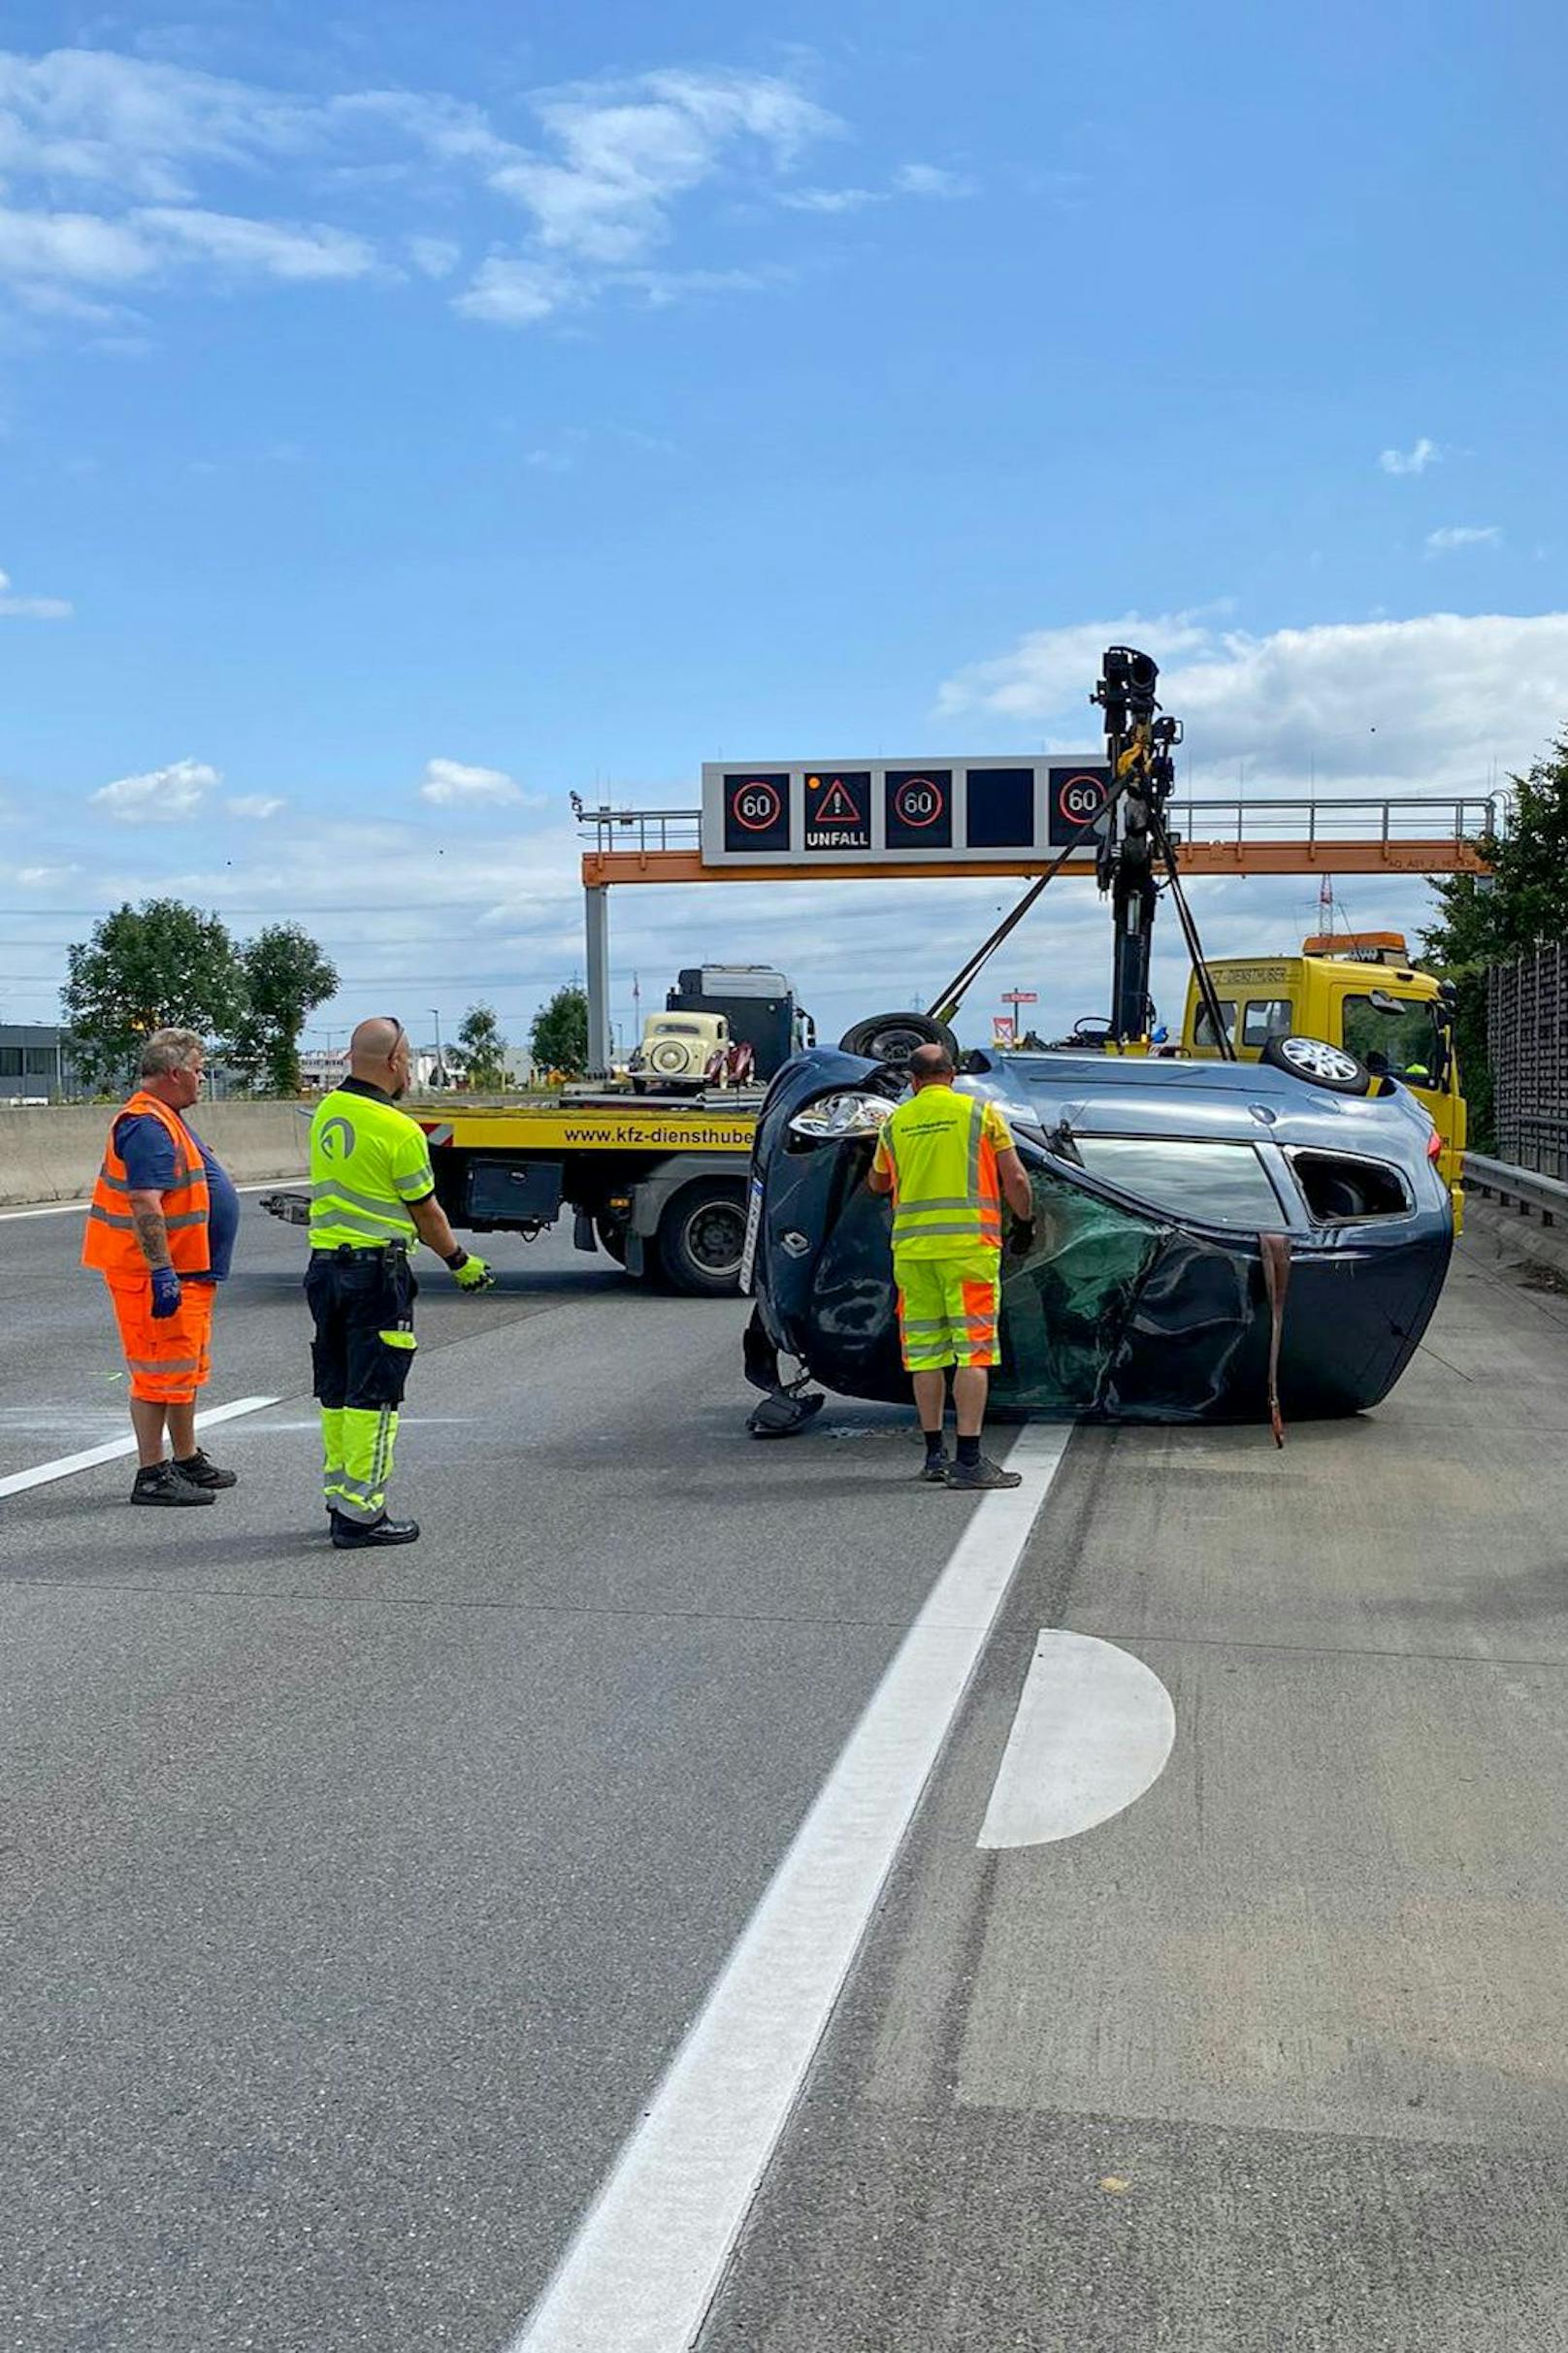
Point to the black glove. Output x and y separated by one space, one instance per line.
1021 1241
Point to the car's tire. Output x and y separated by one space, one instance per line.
701 1236
892 1038
612 1234
1332 1068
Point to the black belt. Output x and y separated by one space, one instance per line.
372 1250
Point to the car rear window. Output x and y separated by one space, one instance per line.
1218 1183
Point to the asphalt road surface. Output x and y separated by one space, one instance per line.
368 1922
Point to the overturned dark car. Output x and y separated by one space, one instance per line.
1193 1219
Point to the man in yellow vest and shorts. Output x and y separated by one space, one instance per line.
949 1162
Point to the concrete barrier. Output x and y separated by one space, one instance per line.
51 1152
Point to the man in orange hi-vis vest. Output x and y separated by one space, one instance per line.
160 1230
948 1161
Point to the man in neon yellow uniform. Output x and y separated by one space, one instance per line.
948 1161
372 1193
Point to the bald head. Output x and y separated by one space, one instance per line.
378 1054
932 1066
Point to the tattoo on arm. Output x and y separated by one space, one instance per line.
153 1234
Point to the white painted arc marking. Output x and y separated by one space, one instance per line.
1093 1730
648 2256
63 1466
61 1209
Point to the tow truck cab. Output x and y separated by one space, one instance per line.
1361 993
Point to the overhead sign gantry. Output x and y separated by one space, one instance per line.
954 813
865 820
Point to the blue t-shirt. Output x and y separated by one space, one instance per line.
143 1144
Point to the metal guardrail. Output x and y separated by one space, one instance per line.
1236 821
1545 1194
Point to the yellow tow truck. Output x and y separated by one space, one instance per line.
1360 993
661 1187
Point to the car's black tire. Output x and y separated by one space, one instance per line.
1319 1063
612 1234
701 1236
892 1038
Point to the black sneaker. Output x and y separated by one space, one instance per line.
161 1482
359 1535
200 1472
972 1477
935 1469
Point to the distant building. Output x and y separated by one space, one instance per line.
35 1065
320 1070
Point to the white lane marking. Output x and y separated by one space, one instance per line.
1094 1731
644 2264
60 1209
64 1465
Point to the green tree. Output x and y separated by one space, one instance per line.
1490 919
482 1047
286 976
157 966
559 1037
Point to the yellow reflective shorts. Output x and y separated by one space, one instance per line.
948 1309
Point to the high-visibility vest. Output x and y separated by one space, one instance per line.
946 1190
367 1159
109 1242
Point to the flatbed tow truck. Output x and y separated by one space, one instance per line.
659 1185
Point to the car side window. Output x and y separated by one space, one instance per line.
1217 1183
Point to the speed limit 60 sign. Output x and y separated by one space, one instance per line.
757 811
1075 794
919 805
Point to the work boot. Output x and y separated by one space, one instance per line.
973 1477
361 1535
199 1471
161 1482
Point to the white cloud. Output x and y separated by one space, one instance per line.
435 256
1463 534
601 197
1412 461
832 200
159 796
30 608
931 179
103 159
44 878
76 246
1422 706
1052 669
506 292
450 784
272 247
256 808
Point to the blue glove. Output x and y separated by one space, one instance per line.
165 1293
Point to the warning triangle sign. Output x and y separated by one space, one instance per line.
838 807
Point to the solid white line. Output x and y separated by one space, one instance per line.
63 1465
1093 1730
642 2269
58 1209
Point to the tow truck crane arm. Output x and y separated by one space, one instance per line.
1140 747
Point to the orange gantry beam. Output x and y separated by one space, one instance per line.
601 867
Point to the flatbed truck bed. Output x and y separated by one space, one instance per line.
659 1184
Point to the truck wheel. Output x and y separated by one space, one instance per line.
892 1038
702 1235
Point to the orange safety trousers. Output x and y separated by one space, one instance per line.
169 1360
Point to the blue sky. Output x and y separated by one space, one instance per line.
409 415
